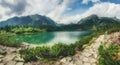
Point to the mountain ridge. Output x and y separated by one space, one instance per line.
31 20
94 20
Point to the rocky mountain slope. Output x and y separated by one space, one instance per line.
94 20
31 20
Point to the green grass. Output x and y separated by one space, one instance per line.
54 52
106 55
6 40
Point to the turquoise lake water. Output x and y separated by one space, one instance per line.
66 37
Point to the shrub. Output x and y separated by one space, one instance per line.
28 54
6 40
43 52
106 55
62 50
46 52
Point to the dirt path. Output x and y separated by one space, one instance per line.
89 55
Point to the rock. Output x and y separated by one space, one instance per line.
87 54
79 63
92 60
19 63
95 55
0 60
1 56
13 50
18 59
2 64
2 52
81 57
9 57
63 60
28 63
69 59
11 63
85 59
86 64
94 64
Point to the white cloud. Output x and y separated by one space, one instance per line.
87 1
104 9
55 9
51 8
101 9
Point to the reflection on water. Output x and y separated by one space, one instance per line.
52 37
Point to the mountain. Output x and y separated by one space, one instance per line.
31 20
94 20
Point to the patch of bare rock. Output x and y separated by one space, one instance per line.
10 56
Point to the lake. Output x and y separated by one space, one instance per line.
66 37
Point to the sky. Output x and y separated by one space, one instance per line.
61 11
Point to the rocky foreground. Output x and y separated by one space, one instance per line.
10 56
89 56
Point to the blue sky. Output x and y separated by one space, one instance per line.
79 7
61 11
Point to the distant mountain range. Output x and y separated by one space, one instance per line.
32 20
98 21
39 20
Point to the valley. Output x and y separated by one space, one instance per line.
56 44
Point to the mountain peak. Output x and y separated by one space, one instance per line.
31 20
98 21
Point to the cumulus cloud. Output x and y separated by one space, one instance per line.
101 9
17 7
87 1
51 8
55 9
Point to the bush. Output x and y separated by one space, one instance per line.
28 54
43 52
6 40
22 30
62 50
46 52
106 55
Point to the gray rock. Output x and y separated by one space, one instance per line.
1 60
69 59
20 63
2 64
87 54
18 59
11 63
2 52
85 59
92 60
1 56
86 64
63 60
79 63
9 57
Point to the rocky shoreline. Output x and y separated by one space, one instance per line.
89 56
10 56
